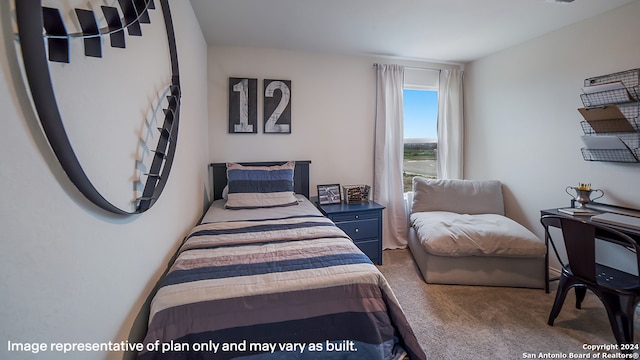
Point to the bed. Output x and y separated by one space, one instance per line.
275 282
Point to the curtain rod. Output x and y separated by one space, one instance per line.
415 67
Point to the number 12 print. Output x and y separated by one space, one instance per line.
277 106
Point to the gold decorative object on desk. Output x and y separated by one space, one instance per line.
583 194
585 187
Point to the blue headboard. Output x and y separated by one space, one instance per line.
300 176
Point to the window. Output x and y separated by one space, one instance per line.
420 134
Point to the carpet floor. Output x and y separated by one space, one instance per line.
477 322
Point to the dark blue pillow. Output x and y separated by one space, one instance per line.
260 186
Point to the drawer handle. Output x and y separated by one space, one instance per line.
357 216
357 230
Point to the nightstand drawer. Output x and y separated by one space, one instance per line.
361 229
371 248
354 216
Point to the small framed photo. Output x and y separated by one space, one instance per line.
329 194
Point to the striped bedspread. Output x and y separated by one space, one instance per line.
289 288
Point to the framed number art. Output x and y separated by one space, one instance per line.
243 105
277 106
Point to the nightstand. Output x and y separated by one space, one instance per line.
362 222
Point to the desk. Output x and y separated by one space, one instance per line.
635 234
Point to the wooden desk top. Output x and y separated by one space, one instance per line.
631 232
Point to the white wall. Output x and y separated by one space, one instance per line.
70 272
333 105
521 122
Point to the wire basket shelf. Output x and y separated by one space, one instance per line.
625 127
631 112
631 91
611 155
609 127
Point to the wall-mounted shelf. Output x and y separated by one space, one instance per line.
612 112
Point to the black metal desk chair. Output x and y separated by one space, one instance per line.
619 291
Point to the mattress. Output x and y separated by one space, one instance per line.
277 283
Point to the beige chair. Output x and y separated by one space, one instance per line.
459 234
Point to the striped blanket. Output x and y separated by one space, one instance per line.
290 288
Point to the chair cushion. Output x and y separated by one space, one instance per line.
446 233
461 196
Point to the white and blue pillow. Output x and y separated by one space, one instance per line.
260 186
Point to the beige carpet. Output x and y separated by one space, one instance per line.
475 322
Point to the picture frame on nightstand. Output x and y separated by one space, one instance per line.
329 194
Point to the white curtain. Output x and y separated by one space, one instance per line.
388 154
450 125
